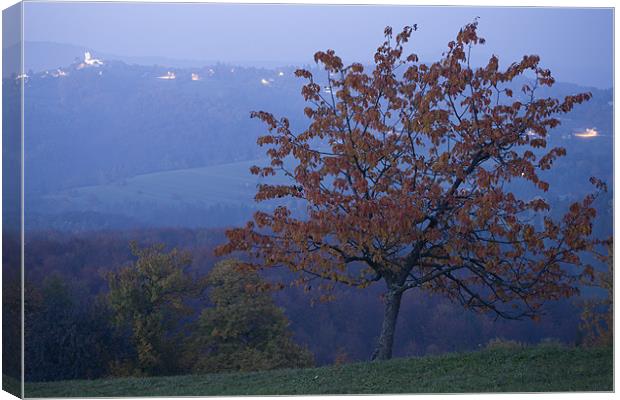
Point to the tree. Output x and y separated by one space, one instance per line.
149 297
408 174
243 330
66 336
597 317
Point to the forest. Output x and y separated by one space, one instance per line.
71 333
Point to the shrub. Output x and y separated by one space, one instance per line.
243 330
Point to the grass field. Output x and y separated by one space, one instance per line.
219 184
534 369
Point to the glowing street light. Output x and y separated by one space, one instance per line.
588 133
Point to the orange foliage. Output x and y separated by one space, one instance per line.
403 171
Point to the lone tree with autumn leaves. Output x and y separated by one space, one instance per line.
405 172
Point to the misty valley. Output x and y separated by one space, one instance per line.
123 146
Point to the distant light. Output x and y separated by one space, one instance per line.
588 133
195 77
89 60
280 73
58 73
169 75
264 82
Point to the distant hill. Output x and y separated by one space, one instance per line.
41 56
197 197
95 125
96 135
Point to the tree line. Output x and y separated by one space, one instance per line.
157 319
72 331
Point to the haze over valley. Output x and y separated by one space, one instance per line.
112 145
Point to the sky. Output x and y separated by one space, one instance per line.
575 43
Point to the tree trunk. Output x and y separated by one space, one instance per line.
383 351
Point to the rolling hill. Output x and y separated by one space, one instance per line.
545 368
115 146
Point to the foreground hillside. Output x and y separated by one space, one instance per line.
543 368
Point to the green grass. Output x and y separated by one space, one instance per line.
230 183
533 369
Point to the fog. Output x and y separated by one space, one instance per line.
575 43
